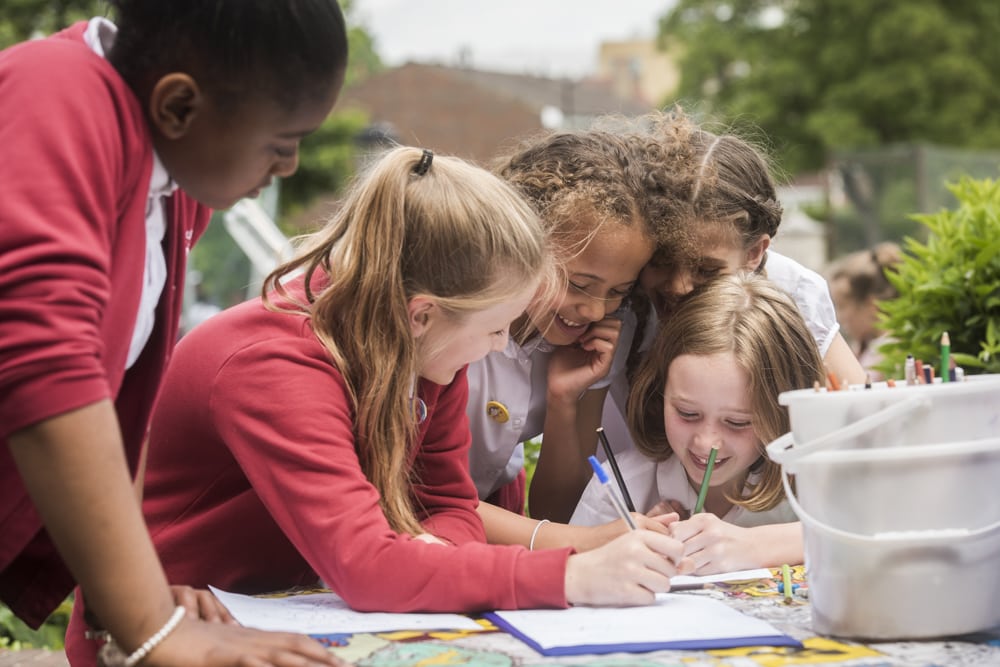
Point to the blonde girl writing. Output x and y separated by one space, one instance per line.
711 380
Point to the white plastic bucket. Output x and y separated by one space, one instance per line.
902 540
948 412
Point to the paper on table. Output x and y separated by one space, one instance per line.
327 613
674 621
738 575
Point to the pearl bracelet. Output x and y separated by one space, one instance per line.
154 641
534 534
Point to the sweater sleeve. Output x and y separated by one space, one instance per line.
63 179
283 411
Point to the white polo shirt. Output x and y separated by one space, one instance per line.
516 378
100 36
648 482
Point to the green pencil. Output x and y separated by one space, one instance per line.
786 576
703 493
945 356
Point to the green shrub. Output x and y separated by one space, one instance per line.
950 283
15 635
531 451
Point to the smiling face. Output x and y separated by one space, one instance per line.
707 404
719 255
218 154
599 277
448 344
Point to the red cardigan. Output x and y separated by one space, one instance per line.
253 482
75 173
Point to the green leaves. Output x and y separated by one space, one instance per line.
15 635
820 77
950 283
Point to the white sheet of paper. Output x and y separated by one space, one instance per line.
326 613
673 617
739 575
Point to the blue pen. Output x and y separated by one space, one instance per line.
602 477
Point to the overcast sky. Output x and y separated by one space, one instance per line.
544 37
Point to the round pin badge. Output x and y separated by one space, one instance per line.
498 412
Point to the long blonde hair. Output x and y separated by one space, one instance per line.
414 224
760 325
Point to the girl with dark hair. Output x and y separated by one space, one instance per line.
118 138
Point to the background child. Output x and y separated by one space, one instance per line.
712 379
858 284
584 185
328 420
115 143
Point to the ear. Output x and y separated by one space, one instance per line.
421 310
755 253
174 102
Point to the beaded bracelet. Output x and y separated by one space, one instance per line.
111 656
534 534
158 636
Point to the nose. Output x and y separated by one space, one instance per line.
705 438
286 166
592 309
681 284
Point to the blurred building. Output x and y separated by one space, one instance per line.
475 114
638 68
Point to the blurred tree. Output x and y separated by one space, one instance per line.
23 19
326 162
327 156
817 75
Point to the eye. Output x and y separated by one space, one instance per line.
684 414
501 332
621 293
738 424
578 287
285 152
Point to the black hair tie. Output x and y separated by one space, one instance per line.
425 162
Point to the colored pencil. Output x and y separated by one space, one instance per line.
615 469
602 477
703 493
945 356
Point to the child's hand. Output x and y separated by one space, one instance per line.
196 642
585 538
201 603
574 368
716 546
669 507
629 570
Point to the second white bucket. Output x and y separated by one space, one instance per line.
901 541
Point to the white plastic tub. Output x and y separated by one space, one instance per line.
902 538
949 412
